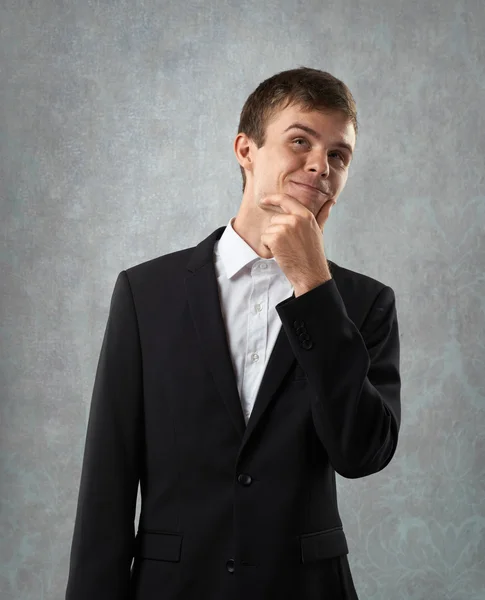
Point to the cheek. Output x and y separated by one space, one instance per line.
289 164
342 180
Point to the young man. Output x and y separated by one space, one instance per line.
236 378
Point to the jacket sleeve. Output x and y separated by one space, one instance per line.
354 375
103 539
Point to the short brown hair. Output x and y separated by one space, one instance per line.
311 89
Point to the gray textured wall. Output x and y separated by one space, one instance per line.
117 120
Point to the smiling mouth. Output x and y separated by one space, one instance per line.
308 187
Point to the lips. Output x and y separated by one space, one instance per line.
310 187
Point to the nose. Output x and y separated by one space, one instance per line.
319 164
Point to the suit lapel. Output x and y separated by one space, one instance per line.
205 309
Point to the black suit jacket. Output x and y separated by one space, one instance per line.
230 512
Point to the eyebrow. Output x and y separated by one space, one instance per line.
340 144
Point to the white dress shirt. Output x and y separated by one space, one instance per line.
249 289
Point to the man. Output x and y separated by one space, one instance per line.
236 378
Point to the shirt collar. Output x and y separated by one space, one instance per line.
235 253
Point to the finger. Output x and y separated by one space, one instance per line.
287 203
324 213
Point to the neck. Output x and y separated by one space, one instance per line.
250 223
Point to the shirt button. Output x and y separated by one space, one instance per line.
230 565
255 357
259 307
263 265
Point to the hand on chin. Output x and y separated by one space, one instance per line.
308 203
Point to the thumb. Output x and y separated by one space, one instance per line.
324 213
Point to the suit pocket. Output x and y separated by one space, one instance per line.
323 544
159 545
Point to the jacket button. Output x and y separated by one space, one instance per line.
230 565
244 479
307 344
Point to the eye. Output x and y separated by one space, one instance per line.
342 158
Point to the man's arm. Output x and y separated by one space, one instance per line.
103 539
355 376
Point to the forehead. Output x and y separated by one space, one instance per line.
333 124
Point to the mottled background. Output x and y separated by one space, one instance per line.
117 120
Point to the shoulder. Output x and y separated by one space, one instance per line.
166 265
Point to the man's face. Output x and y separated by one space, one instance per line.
292 156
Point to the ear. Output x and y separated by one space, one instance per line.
243 149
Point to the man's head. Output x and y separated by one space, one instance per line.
273 155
